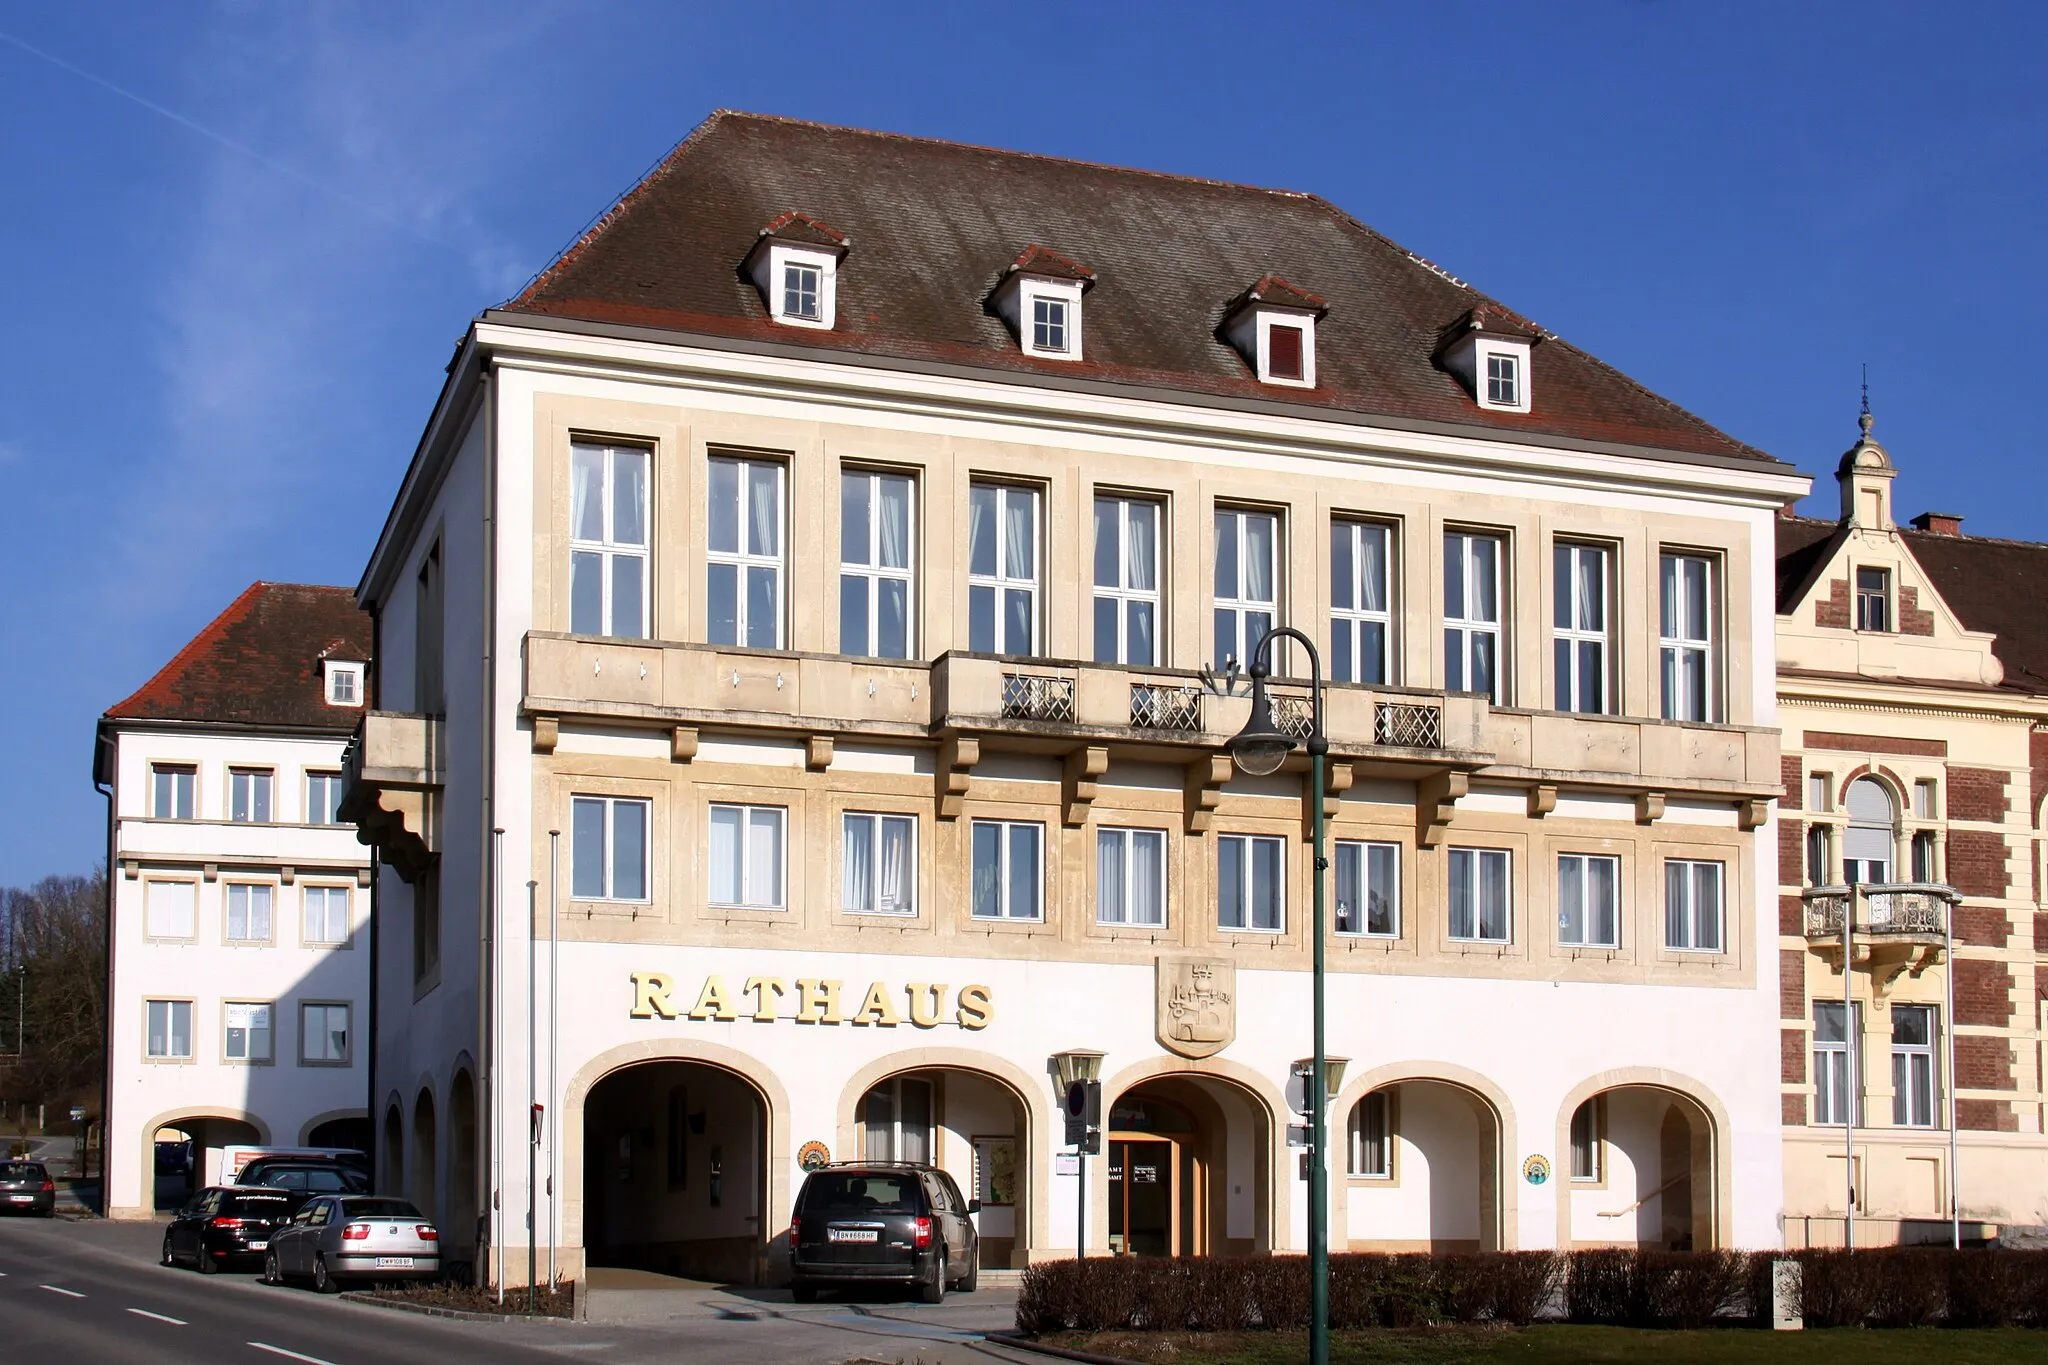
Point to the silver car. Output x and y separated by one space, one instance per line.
337 1238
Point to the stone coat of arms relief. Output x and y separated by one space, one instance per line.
1197 1005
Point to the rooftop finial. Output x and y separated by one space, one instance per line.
1866 421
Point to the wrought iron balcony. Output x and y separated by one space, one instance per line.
1166 708
1893 926
1408 725
1037 696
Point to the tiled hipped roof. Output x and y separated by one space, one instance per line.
934 225
258 663
1991 585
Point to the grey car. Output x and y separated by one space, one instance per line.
26 1187
337 1238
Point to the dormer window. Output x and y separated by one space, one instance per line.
1488 350
1273 326
1039 296
344 683
795 265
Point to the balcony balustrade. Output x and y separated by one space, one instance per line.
1893 927
392 773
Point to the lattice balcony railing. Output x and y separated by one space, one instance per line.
1166 708
1037 696
1295 716
1408 725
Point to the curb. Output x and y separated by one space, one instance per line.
1017 1341
436 1311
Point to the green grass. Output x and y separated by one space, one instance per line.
1563 1345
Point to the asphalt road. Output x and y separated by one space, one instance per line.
85 1293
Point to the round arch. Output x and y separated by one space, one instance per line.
1705 1106
307 1128
424 1164
1502 1169
1032 1097
464 1197
1269 1103
177 1118
575 1094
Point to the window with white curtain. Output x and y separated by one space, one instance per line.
1479 894
1126 581
1692 905
876 571
1368 888
743 554
1581 592
248 912
608 848
1361 602
747 856
1588 900
1913 1069
1472 593
1867 845
1002 569
1685 636
167 1028
608 541
880 857
1372 1136
1130 876
1009 869
327 915
172 909
1247 582
896 1120
249 794
1834 1063
1251 883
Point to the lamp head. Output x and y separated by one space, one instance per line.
1262 746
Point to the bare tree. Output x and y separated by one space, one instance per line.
53 988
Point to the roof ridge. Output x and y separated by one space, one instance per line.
208 633
1967 537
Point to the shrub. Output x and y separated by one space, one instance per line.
1991 1288
1909 1286
1606 1286
1836 1288
1692 1288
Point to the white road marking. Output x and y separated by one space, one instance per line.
67 1293
292 1355
145 1313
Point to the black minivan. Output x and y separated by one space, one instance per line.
869 1222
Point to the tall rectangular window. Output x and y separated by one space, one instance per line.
1873 599
1247 582
801 291
1586 1141
1913 1071
896 1120
1048 324
1361 602
1819 792
1472 593
743 552
1817 861
323 1032
1130 876
172 909
327 915
1479 894
249 795
1503 381
1372 1136
1284 351
171 791
1834 1063
877 531
747 856
167 1026
248 912
879 853
1588 901
1251 883
1002 569
1924 803
1926 859
323 798
1582 596
1126 581
608 541
1009 870
1685 636
1368 888
1692 905
608 848
246 1032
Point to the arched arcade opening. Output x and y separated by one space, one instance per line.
969 1124
1189 1169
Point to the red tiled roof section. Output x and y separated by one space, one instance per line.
935 225
1278 292
801 227
1043 260
258 663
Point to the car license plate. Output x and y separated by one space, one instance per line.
21 1198
852 1235
394 1263
259 1246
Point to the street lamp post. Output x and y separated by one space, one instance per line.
1259 749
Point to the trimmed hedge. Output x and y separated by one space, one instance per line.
1890 1287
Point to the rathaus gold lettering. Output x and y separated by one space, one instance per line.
811 1000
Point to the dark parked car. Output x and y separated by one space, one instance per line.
25 1187
334 1240
173 1158
302 1176
875 1222
224 1226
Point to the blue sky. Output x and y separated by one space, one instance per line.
227 314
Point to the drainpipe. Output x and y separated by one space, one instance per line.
489 877
1852 1080
1955 1182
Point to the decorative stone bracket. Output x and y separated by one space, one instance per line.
1436 796
1077 785
1337 779
1203 791
957 756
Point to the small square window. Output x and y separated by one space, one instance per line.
245 1036
1049 324
1285 352
802 286
167 1030
172 791
1503 380
323 1033
608 848
344 684
1874 599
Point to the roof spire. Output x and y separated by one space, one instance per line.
1866 421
